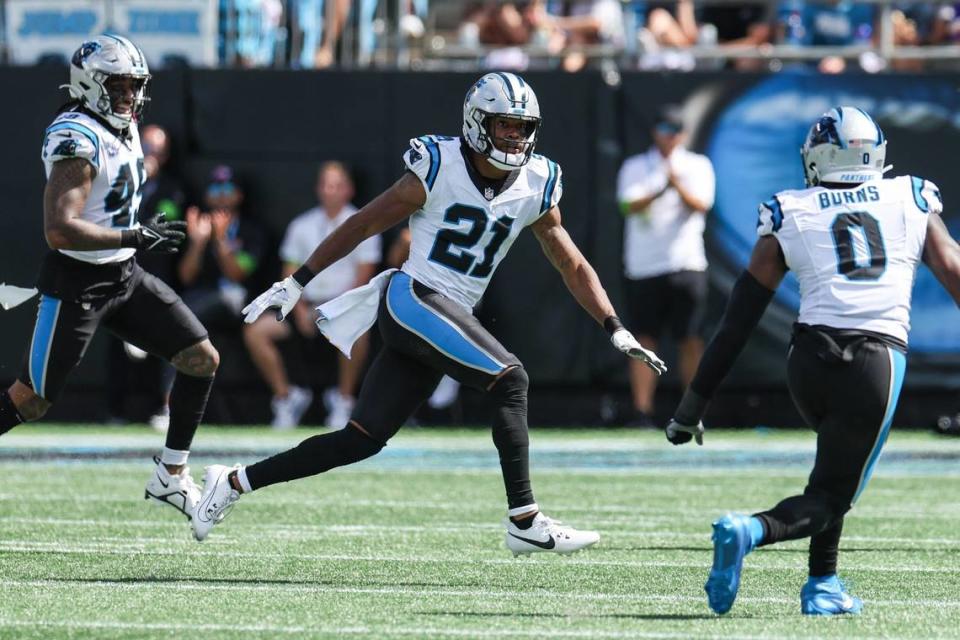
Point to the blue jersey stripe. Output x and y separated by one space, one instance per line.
898 367
42 340
79 128
549 187
918 198
439 332
434 149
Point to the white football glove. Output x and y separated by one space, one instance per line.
625 342
680 433
282 296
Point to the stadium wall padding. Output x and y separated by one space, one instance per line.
275 127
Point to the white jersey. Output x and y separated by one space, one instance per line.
464 229
668 236
855 251
117 186
311 228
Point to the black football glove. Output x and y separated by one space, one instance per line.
155 234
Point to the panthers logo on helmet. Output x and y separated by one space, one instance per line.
86 50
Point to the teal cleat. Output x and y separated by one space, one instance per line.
827 596
731 542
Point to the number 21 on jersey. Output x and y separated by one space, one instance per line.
452 247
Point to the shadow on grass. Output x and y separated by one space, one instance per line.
527 614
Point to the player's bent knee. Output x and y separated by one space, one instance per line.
33 408
513 383
201 360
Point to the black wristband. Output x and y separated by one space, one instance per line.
612 324
129 238
304 275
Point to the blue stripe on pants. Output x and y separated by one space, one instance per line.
438 331
42 340
898 367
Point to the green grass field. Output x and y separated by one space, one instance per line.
410 544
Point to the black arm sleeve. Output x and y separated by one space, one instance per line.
748 301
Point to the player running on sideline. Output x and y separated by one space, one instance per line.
467 199
90 277
854 239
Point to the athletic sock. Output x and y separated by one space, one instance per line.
173 457
528 511
9 416
188 400
756 531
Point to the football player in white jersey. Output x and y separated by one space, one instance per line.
467 199
90 278
854 239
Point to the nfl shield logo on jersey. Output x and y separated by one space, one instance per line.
488 193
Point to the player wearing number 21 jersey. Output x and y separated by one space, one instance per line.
854 240
467 200
90 279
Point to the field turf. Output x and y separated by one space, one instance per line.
410 544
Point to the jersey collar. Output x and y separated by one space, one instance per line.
488 188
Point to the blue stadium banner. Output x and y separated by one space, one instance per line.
38 28
164 29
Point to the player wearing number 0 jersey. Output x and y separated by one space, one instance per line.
467 200
90 278
854 240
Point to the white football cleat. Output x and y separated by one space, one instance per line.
215 502
177 490
546 534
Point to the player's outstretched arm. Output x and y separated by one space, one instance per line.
64 199
583 283
942 254
751 294
394 205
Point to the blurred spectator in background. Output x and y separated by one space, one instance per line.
741 25
320 24
257 26
664 194
584 23
827 23
334 190
508 26
669 30
163 193
224 248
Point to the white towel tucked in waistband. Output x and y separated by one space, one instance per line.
349 315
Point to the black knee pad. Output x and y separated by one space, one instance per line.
512 385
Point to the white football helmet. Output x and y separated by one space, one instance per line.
92 66
505 95
844 146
